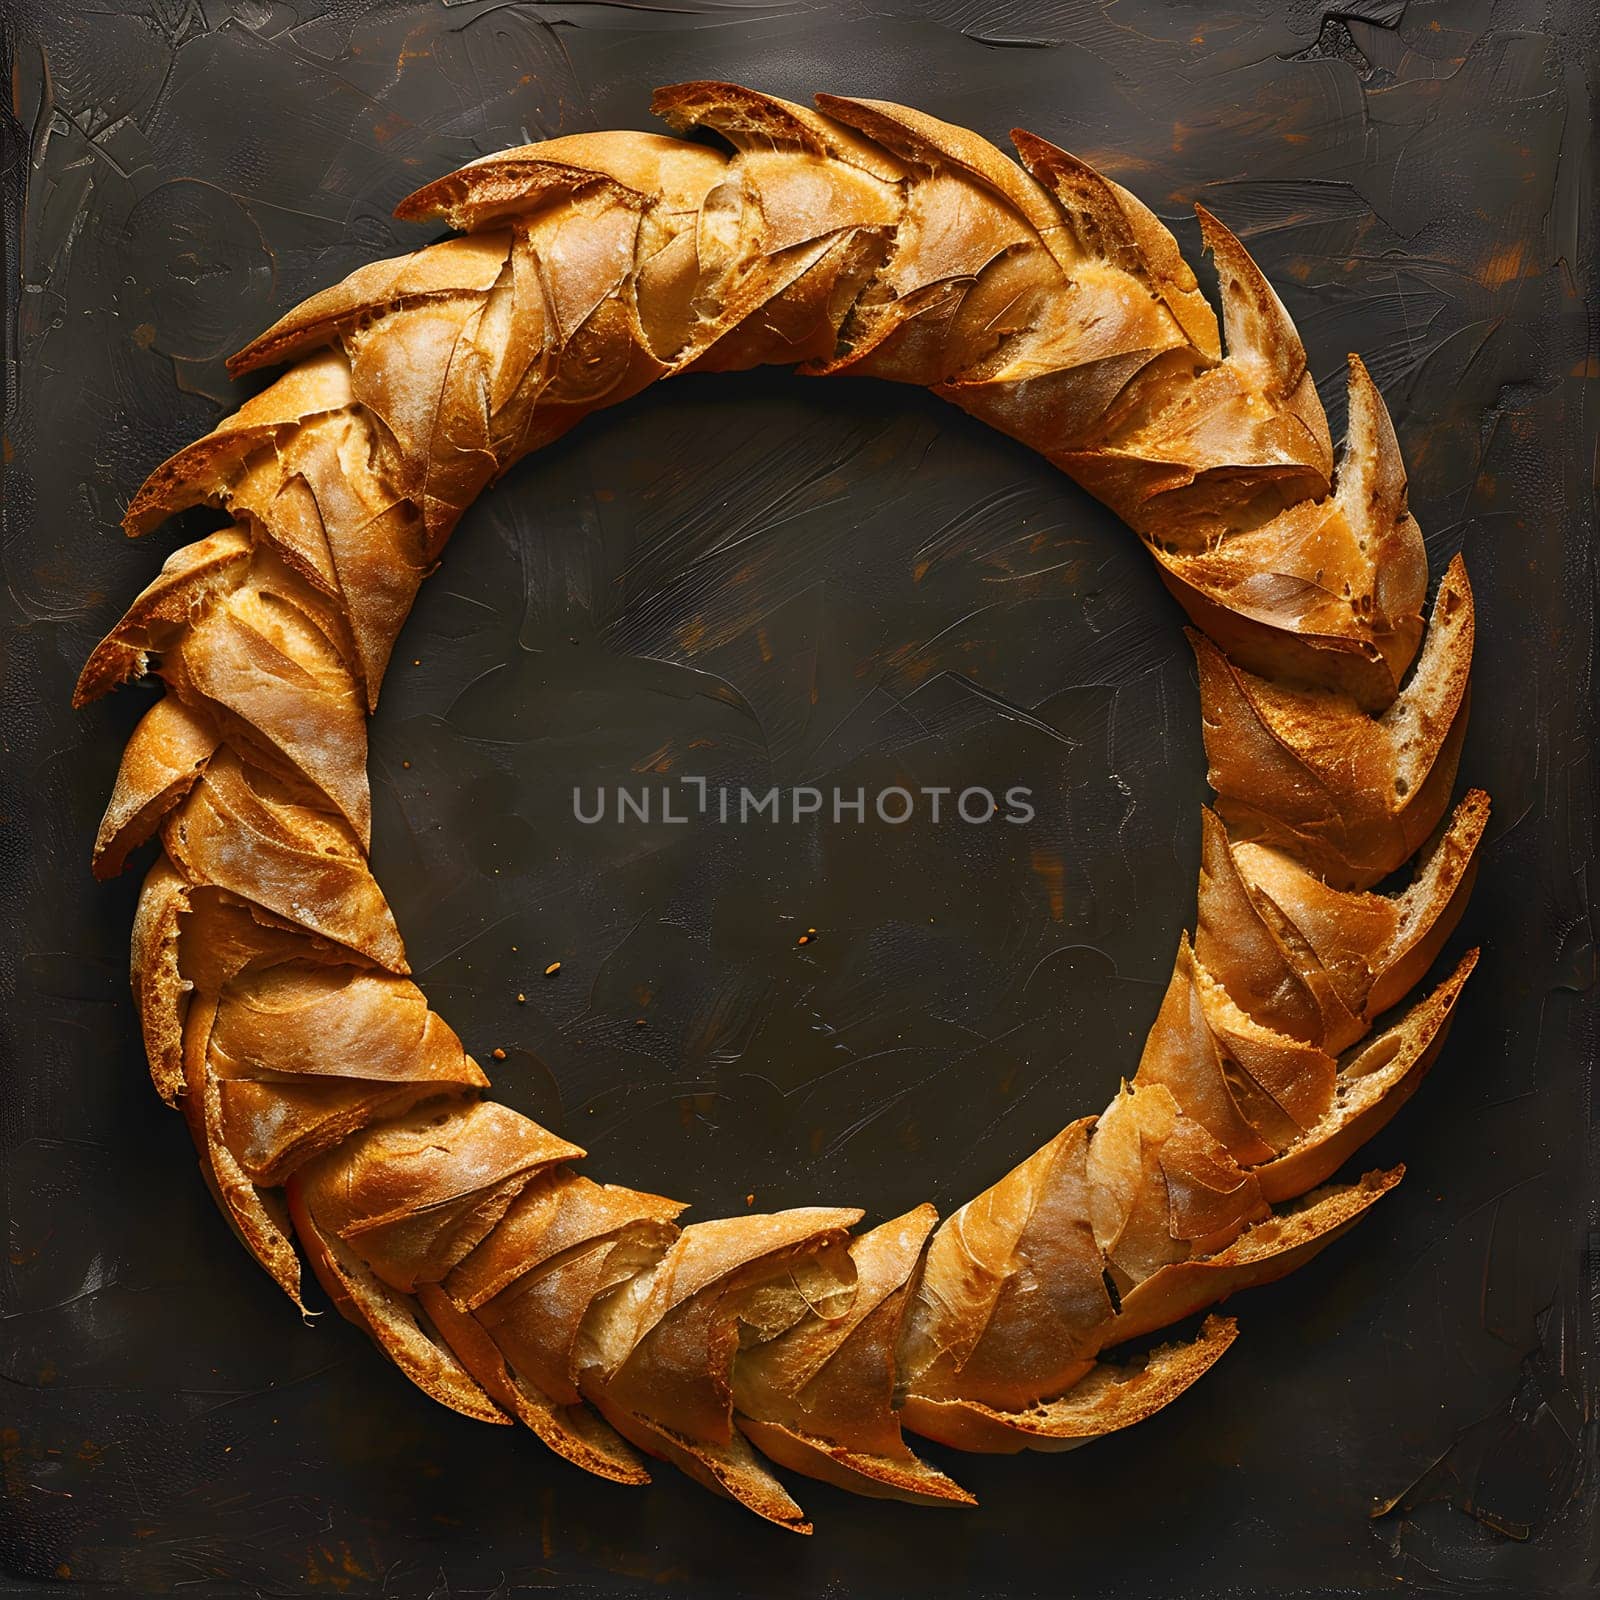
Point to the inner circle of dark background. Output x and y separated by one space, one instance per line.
1414 180
761 582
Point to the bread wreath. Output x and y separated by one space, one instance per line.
329 1104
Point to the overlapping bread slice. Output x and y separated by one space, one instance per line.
1119 1226
243 830
1010 1297
1191 448
263 666
514 1309
397 1206
299 467
304 1054
1329 591
163 758
1349 796
1110 1396
255 655
288 1047
190 580
657 1352
1255 1089
1013 1288
1289 1111
820 1398
1374 1080
1122 381
1372 949
1259 1036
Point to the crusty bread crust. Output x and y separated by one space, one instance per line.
331 1107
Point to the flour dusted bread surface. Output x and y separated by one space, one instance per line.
1110 1397
163 759
363 1044
1014 1286
340 1120
1349 795
819 1397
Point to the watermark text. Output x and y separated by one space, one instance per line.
693 798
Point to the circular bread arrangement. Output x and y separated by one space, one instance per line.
334 1110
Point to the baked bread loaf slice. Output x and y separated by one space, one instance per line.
339 1119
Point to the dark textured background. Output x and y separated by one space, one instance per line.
755 578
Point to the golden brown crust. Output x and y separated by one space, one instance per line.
415 1195
329 1103
1374 1082
1014 1285
572 1431
1248 947
200 472
242 831
1352 797
1107 1398
668 1345
820 1397
189 581
164 756
1265 1251
256 1214
1255 1089
364 1045
160 989
396 1321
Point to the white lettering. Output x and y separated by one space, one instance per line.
749 801
985 802
911 805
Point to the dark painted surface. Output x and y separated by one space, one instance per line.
764 581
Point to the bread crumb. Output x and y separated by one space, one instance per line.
552 969
522 999
498 1053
